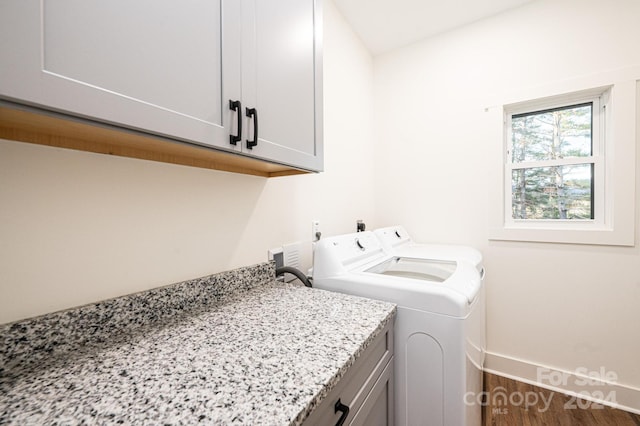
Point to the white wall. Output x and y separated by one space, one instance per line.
562 306
78 227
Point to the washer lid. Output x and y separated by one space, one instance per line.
437 271
428 276
358 264
397 241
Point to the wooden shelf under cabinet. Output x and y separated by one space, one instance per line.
54 130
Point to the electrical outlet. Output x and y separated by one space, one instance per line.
315 230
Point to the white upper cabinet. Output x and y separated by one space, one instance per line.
171 68
151 65
281 75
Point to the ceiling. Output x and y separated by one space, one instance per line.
387 24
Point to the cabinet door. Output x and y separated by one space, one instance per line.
150 65
282 79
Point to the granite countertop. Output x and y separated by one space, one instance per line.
237 347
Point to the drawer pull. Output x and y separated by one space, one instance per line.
237 107
252 112
345 412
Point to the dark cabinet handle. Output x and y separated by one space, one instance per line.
345 412
237 107
252 112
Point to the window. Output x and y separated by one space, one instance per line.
563 163
554 167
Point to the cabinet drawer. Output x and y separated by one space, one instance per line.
358 381
378 409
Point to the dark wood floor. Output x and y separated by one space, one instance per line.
562 410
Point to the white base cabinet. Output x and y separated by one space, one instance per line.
366 389
171 67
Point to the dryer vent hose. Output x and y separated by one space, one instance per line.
288 269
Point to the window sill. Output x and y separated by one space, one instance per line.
585 235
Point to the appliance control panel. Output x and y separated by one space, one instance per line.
355 249
393 236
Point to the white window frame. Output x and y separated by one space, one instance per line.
598 99
614 214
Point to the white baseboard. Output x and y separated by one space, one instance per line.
599 387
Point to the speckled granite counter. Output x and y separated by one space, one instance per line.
236 347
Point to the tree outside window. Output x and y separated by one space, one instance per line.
552 166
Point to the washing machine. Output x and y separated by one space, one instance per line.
396 240
439 328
